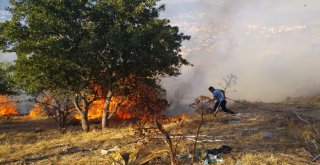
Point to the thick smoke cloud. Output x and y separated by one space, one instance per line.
273 46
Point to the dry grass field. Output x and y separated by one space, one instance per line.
275 135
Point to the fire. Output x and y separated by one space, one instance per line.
7 108
144 104
175 119
36 112
96 110
124 115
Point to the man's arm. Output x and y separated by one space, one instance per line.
214 98
224 94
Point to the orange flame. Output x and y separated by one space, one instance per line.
144 104
175 119
36 112
7 108
96 110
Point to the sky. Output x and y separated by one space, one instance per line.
272 46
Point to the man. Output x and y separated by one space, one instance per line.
219 96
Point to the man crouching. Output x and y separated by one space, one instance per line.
219 96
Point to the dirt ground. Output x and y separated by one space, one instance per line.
262 133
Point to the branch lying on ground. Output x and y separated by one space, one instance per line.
305 121
315 158
206 140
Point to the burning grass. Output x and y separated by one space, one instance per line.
256 137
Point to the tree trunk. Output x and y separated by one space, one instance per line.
105 115
85 122
83 112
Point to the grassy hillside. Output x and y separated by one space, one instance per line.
269 134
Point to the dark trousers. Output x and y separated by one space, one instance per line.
222 104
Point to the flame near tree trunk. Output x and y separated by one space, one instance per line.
7 108
143 104
96 110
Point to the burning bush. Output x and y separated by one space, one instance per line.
56 106
145 103
7 108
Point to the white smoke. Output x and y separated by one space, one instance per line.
273 46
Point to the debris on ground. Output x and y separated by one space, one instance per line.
214 156
105 152
267 135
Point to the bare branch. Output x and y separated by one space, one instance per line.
305 121
228 82
315 158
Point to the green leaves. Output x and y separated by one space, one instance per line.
6 82
66 44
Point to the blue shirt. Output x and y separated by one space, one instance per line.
218 95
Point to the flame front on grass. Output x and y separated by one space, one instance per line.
175 119
7 108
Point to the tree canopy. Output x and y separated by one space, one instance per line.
68 43
6 84
76 45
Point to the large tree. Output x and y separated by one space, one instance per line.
79 45
135 42
53 43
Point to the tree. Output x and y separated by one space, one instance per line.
146 104
136 43
81 44
228 82
57 106
52 42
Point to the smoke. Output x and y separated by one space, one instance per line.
273 46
